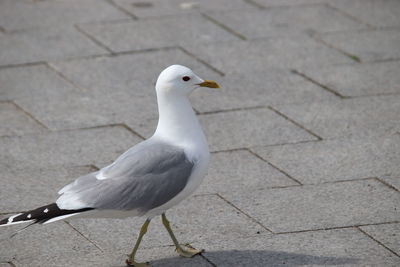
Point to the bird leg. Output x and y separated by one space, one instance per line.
186 252
131 260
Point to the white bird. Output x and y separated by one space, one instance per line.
150 177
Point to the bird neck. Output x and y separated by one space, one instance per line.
177 121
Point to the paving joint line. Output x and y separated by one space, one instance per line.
123 10
387 184
349 55
93 39
131 130
317 83
20 65
274 166
349 16
295 123
332 228
232 110
377 241
30 115
60 74
201 61
208 260
254 4
84 236
244 213
223 26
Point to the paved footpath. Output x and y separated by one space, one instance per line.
304 134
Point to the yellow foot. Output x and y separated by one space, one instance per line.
188 252
136 264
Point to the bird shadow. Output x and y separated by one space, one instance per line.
260 258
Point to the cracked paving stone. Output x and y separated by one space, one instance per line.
75 147
360 117
342 247
338 159
387 234
14 121
44 44
371 45
312 207
201 217
33 14
278 21
29 188
359 80
157 8
275 52
241 171
156 33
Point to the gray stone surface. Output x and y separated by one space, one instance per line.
242 129
359 80
202 217
53 245
39 188
277 52
236 171
79 147
154 33
30 82
255 89
376 13
335 160
287 21
387 234
156 8
321 206
367 45
14 121
49 13
366 116
110 90
45 44
344 247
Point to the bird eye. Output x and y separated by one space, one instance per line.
186 78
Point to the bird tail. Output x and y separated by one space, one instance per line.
45 214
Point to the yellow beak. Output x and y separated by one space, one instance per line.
209 83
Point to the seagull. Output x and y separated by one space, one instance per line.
150 177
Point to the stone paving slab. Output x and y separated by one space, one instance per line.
250 173
359 79
349 117
45 44
202 217
263 88
280 21
335 160
276 52
242 129
157 8
110 90
387 234
32 14
155 33
322 206
79 147
50 245
31 81
344 247
367 45
376 13
29 188
14 121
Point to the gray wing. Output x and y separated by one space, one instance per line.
145 177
